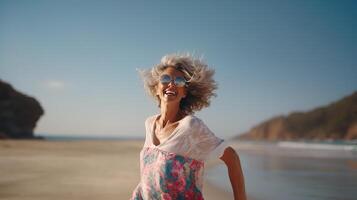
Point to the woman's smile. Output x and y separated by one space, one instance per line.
169 92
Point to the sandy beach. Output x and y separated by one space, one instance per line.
34 169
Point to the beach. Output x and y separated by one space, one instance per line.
92 169
109 169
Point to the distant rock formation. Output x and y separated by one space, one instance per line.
337 121
18 113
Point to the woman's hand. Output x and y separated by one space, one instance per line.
231 158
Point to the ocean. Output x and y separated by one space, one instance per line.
294 170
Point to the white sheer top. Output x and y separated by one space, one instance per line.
191 138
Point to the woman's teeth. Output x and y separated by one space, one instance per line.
170 93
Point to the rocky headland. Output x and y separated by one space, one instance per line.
19 113
336 121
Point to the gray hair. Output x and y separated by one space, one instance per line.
200 83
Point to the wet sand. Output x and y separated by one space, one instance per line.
31 169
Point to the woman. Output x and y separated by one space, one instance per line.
177 142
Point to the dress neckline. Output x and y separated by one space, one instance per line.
153 125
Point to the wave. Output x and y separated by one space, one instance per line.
318 146
298 149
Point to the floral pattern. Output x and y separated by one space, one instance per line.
168 176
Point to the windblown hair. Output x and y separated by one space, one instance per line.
200 83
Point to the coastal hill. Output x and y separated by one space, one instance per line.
19 113
336 121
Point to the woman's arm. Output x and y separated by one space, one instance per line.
231 158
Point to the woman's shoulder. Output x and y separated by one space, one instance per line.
193 120
150 119
194 124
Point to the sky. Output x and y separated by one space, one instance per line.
79 58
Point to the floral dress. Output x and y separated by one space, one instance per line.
174 168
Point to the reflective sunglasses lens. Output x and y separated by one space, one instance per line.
165 79
180 81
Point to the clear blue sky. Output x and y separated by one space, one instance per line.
78 58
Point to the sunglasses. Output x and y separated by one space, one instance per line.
179 81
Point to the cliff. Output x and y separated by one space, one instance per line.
336 121
18 113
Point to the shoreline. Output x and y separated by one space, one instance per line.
91 169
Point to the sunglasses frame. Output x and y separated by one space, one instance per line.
175 80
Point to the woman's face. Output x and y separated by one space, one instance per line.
171 93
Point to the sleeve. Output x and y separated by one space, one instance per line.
210 146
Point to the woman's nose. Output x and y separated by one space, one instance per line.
172 83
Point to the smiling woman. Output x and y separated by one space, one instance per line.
178 143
